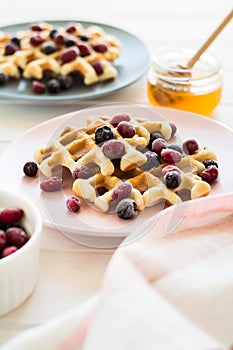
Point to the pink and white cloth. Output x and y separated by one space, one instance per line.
170 288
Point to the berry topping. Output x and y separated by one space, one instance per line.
38 87
30 169
52 33
84 50
84 37
3 78
73 204
174 128
69 54
103 133
59 39
176 147
11 215
52 184
154 136
126 129
16 41
113 149
71 28
210 174
170 156
152 161
70 42
48 48
10 48
82 172
36 40
117 118
123 190
2 240
100 47
66 81
36 27
126 209
8 251
158 145
172 179
169 168
16 236
53 86
209 162
98 67
190 146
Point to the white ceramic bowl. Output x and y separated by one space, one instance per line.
19 271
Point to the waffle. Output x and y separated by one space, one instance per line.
31 62
74 147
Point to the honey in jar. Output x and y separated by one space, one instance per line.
196 90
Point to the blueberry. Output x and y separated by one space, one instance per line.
3 78
103 133
84 37
126 209
172 179
176 147
152 161
53 86
70 42
66 81
52 33
209 162
48 48
30 169
16 41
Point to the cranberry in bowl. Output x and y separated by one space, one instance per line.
20 230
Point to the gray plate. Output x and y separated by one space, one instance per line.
131 65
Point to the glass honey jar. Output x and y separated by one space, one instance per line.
172 85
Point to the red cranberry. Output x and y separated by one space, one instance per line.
174 128
169 168
100 47
10 49
126 129
36 40
8 251
59 39
84 50
190 146
69 54
170 156
158 145
210 174
2 240
11 215
71 28
73 204
38 87
117 118
36 28
16 236
98 67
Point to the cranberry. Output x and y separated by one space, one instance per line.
84 50
100 47
98 67
154 136
158 145
69 54
126 129
169 168
117 118
11 215
71 28
170 156
38 87
2 240
210 174
190 146
36 28
8 251
113 149
36 40
174 128
82 172
30 169
16 236
10 49
123 190
73 204
51 184
59 39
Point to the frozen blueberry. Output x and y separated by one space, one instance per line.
103 133
126 209
172 179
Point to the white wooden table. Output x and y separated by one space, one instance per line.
69 274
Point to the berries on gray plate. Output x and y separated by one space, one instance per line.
126 209
3 78
53 86
38 87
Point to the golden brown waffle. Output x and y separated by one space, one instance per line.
36 64
77 147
